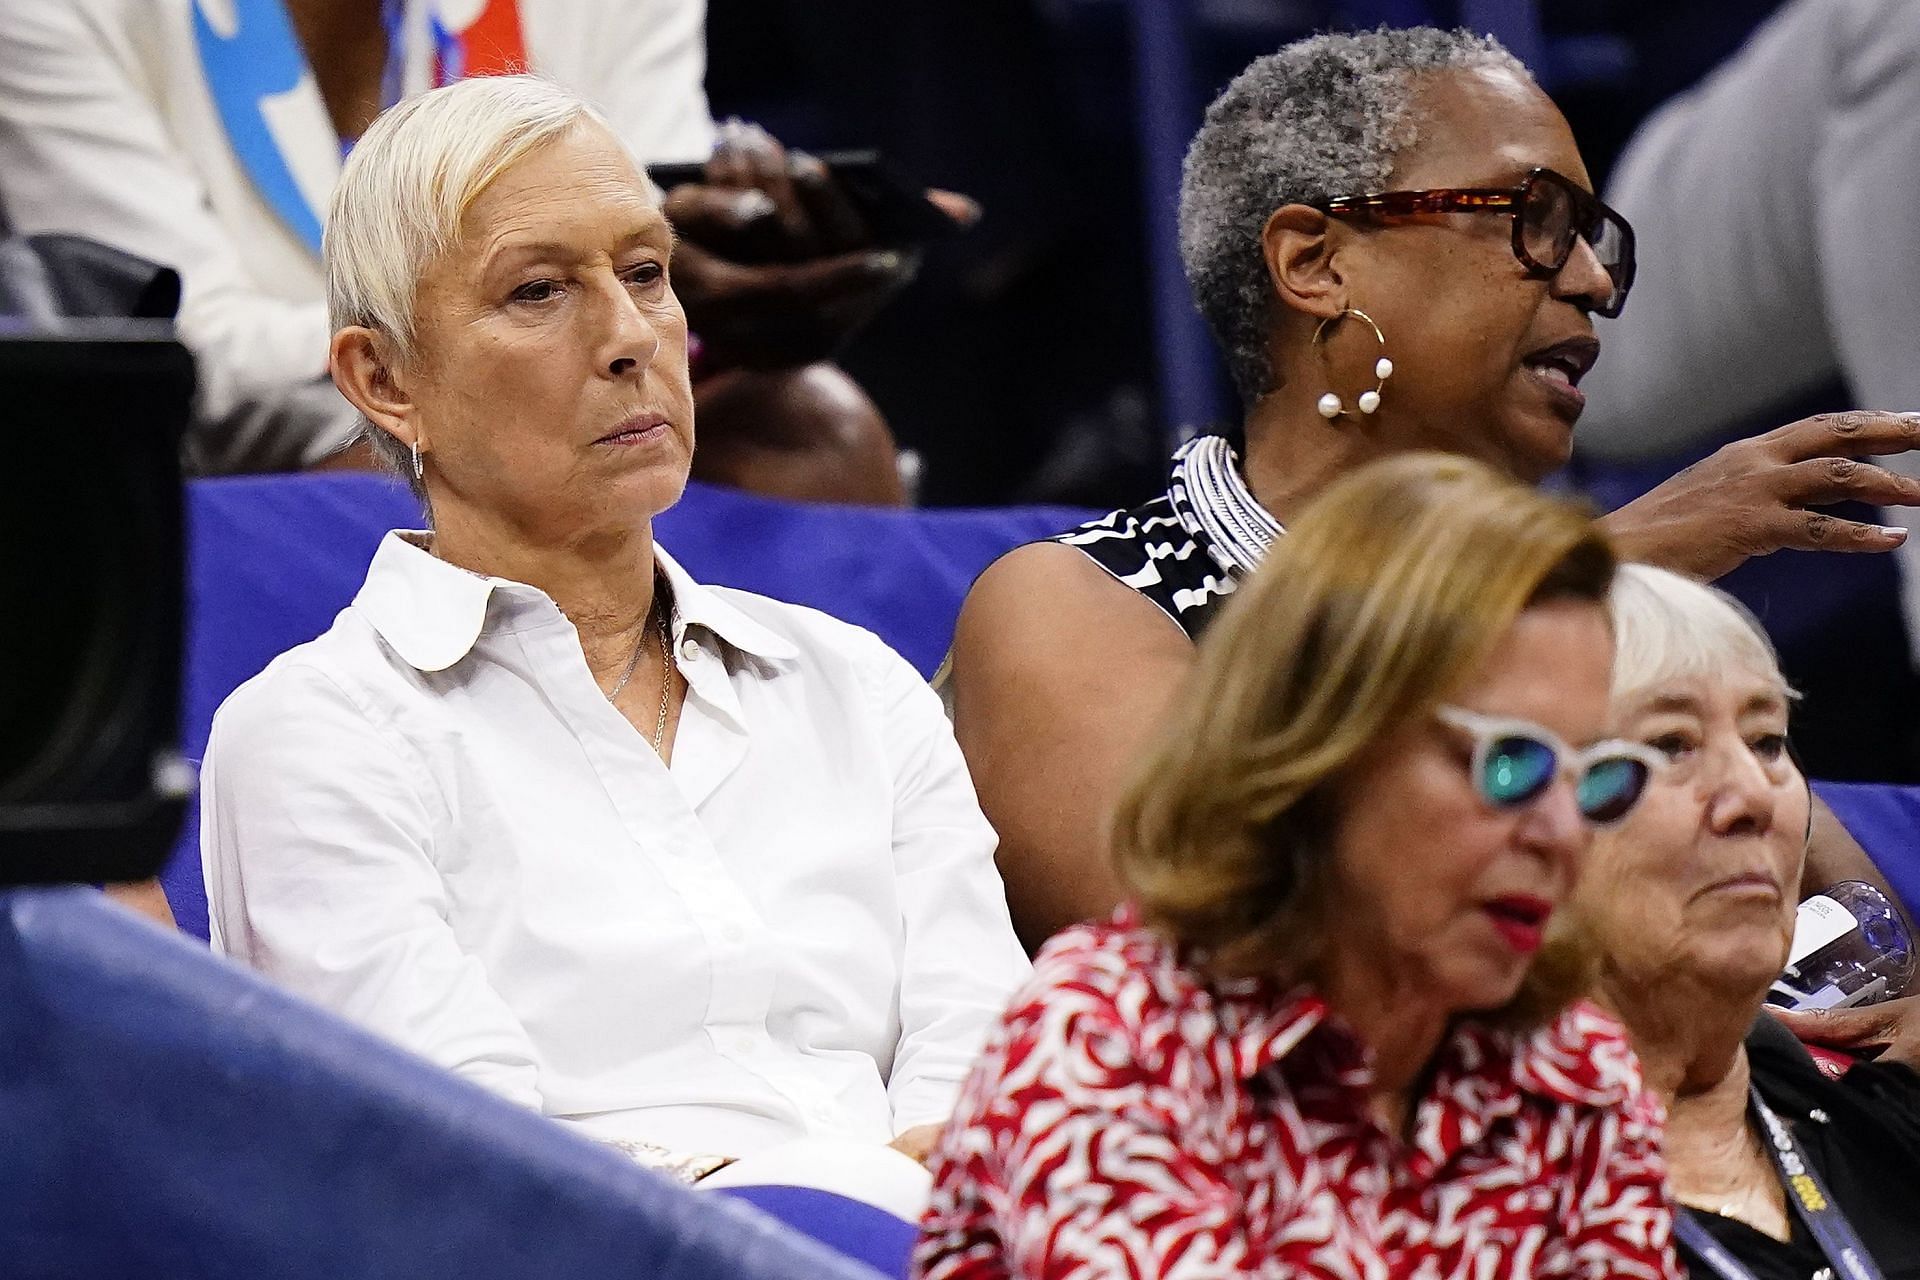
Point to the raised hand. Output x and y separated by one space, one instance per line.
1755 496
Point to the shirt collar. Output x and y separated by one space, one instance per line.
1563 1062
432 613
1581 1058
698 606
429 611
1263 1025
1485 1074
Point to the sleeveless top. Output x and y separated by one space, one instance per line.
1187 549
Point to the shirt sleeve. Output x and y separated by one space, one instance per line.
960 961
643 63
1622 1216
85 152
317 832
1065 1161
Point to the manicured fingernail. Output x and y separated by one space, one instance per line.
754 204
888 261
1894 531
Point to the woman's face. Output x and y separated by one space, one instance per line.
1436 876
549 384
1699 884
1463 322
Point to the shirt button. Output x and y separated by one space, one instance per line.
732 933
743 1045
689 649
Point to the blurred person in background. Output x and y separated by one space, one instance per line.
1335 1031
1394 238
697 872
207 135
1778 210
1019 366
1691 901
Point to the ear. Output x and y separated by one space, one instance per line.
366 369
1298 243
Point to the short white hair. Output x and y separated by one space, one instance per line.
407 185
410 179
1668 627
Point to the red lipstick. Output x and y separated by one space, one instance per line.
1520 920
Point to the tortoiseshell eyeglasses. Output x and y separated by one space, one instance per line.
1549 211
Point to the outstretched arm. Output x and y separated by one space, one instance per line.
1754 496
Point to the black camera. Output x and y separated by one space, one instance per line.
91 581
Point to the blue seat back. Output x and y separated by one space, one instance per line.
272 559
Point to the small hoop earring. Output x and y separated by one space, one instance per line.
1331 405
419 467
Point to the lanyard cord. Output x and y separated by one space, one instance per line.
1808 1196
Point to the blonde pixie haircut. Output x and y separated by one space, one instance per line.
1373 609
408 184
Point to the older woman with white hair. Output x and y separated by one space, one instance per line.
692 870
1780 1170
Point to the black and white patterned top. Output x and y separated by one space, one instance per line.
1187 549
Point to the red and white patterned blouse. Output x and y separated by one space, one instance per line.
1131 1119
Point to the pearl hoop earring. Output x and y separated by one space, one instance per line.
1330 404
419 467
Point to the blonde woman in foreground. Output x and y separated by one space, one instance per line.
1335 1030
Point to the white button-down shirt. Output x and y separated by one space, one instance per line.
433 822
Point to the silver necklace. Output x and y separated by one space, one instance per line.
1239 528
666 667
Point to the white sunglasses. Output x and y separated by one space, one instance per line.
1515 761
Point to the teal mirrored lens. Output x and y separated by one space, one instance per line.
1610 788
1516 770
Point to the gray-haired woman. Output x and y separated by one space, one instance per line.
1394 238
685 867
1781 1171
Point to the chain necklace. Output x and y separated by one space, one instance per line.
661 613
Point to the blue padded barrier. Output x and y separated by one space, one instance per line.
272 559
1886 822
167 1114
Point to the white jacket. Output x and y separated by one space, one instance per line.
192 133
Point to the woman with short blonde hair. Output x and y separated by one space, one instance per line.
1335 1031
696 872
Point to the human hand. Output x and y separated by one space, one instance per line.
1888 1031
1751 497
776 266
918 1141
783 316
